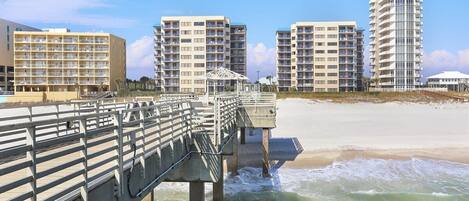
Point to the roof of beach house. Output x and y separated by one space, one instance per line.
449 75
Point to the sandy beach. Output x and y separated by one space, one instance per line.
330 132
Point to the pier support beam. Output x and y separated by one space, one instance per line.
196 191
265 152
218 186
153 195
243 136
233 162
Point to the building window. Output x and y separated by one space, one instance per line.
320 67
320 59
186 24
186 56
331 81
186 90
320 82
199 73
186 81
320 74
186 65
332 51
186 48
332 74
186 32
332 44
199 56
199 48
199 65
199 32
332 67
319 51
186 73
199 40
332 59
199 81
332 36
199 23
186 40
332 28
320 29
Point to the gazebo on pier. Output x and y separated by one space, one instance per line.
218 79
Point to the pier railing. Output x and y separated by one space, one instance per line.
66 152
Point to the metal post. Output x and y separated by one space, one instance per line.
31 156
119 172
57 117
142 134
84 155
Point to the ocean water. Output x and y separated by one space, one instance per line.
354 180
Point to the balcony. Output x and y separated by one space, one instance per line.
86 41
86 49
70 41
171 76
168 60
215 59
101 58
98 41
22 40
215 42
55 40
101 49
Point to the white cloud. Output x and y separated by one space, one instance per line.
260 58
443 59
140 54
60 11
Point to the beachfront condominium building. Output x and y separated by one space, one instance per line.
320 57
396 44
187 47
56 60
6 53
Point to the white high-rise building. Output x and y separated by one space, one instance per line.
187 47
396 43
320 57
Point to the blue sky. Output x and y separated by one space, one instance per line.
446 30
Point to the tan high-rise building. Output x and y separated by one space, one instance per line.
396 43
187 47
6 53
320 57
57 60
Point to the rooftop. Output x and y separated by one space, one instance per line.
449 75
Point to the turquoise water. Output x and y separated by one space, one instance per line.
355 180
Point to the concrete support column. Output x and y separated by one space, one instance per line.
265 152
196 191
233 164
153 195
243 136
218 186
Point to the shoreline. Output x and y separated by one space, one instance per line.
322 158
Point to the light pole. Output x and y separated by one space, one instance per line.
258 75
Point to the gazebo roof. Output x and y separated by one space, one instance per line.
224 74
